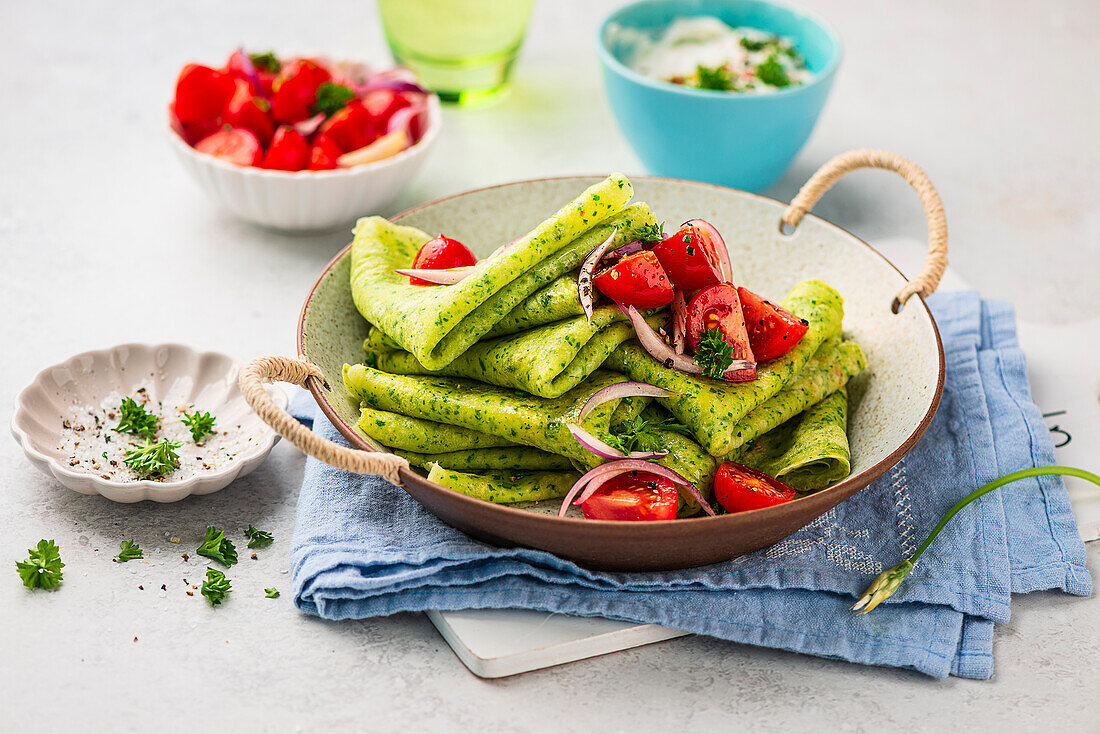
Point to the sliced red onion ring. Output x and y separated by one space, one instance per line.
652 342
605 450
249 70
394 85
596 478
309 126
584 280
623 390
445 276
679 322
503 248
719 247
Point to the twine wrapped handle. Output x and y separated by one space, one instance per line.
936 261
298 371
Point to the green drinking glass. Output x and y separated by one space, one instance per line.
462 49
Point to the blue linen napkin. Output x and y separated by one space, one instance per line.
364 548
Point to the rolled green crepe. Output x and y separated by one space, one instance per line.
712 408
427 437
507 458
504 488
438 323
509 414
808 452
547 361
555 302
828 370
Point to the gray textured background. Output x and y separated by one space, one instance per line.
106 241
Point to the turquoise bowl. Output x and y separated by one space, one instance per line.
745 141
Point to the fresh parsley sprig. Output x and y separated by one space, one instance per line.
200 424
271 593
639 434
772 72
652 232
153 459
218 547
130 551
42 569
266 61
714 354
137 420
216 587
331 98
258 538
718 78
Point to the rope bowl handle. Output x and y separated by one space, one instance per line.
928 279
296 372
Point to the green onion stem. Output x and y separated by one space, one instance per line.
1038 471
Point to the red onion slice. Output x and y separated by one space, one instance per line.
405 119
394 85
584 280
622 390
679 322
652 342
605 450
309 126
591 482
445 276
719 246
249 70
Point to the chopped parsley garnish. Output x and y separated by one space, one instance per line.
652 232
638 434
258 538
718 78
772 72
714 354
130 551
136 420
266 61
752 44
271 593
331 98
200 424
42 569
153 459
216 586
218 547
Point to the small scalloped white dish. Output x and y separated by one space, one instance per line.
173 376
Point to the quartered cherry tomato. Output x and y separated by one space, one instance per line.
295 90
637 280
773 331
634 495
325 154
718 307
201 94
739 488
190 132
382 103
235 145
249 111
689 259
289 151
351 128
441 253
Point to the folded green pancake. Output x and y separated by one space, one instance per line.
712 409
437 323
506 488
505 458
810 451
834 363
508 414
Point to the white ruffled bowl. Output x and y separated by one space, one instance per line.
308 200
172 374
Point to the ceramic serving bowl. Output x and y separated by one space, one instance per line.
742 140
307 200
892 402
173 375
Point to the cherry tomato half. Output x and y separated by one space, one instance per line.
738 488
235 145
689 259
441 253
246 110
637 280
718 307
351 128
773 331
325 154
201 94
289 151
634 495
382 103
295 90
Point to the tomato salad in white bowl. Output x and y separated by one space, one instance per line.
301 143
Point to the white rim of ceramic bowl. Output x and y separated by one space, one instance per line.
612 62
435 121
244 458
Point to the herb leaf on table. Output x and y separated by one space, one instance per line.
218 547
271 593
42 568
216 587
129 551
258 538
